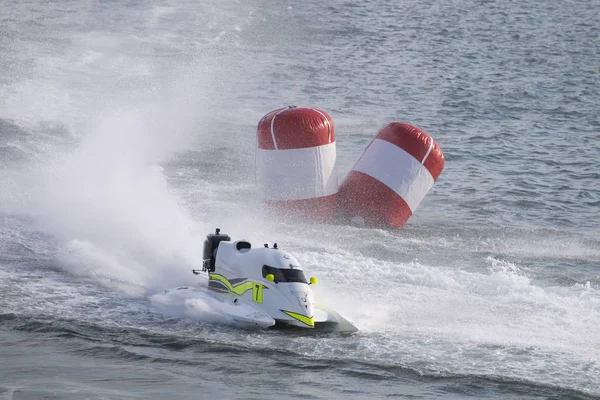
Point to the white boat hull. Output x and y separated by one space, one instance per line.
262 287
330 320
238 312
242 313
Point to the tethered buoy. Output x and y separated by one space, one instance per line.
392 176
295 163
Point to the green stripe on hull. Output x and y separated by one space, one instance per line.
309 321
240 289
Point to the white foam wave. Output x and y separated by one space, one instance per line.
501 307
194 304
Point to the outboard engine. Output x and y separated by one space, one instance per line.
210 249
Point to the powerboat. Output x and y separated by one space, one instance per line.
264 287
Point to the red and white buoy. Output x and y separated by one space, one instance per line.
295 163
392 177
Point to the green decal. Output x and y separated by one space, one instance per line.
240 289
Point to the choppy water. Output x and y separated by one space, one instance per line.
127 132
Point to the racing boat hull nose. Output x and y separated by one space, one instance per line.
299 320
299 308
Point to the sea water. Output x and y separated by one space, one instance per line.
127 133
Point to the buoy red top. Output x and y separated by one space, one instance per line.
416 143
294 128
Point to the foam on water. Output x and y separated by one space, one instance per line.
197 305
110 204
101 191
493 322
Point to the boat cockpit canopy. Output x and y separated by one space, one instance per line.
284 275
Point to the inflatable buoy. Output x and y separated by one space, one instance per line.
295 163
392 177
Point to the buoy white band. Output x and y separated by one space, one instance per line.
397 169
297 174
